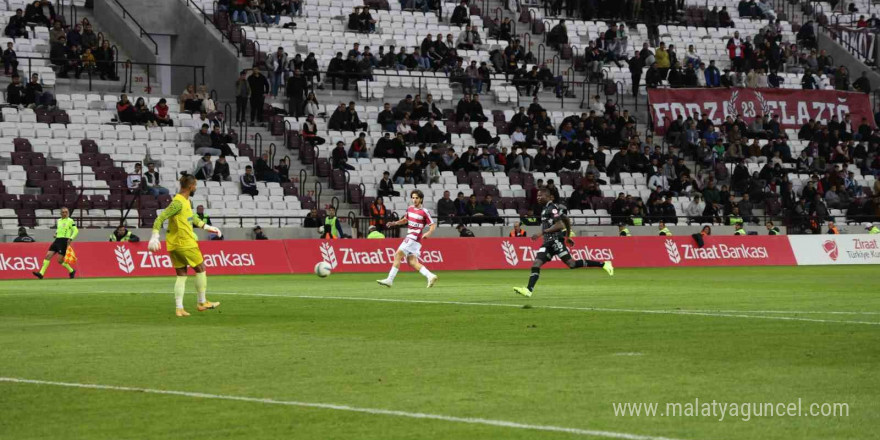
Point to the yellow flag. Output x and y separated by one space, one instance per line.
70 256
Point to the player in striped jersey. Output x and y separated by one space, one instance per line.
417 220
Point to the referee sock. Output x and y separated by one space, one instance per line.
424 271
179 289
45 266
67 266
201 286
392 273
533 278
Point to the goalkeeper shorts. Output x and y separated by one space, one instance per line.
191 257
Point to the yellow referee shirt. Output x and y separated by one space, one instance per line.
181 219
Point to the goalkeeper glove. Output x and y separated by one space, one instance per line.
154 244
213 230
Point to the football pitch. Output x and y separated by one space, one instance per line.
342 358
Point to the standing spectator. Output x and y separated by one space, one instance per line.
89 38
276 66
259 86
249 182
296 90
10 60
378 214
242 94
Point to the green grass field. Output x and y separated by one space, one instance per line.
481 362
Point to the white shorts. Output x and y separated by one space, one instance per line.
410 247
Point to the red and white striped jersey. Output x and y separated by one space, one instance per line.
417 219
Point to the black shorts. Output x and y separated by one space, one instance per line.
553 247
59 246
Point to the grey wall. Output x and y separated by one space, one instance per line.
124 32
192 42
156 16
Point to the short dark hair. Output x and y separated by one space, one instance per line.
419 193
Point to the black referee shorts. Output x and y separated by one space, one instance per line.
59 246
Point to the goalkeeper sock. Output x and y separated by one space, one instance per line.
67 266
45 266
201 286
424 271
179 289
392 273
533 278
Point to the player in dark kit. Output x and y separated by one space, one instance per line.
556 228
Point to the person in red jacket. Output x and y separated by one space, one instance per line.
125 110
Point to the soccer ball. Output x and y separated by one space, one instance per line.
322 269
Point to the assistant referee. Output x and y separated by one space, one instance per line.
65 232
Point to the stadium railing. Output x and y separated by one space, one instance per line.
128 77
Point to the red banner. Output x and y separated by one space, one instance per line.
519 253
99 259
104 259
794 107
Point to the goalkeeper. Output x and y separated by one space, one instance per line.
183 245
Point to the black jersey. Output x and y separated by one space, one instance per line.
552 213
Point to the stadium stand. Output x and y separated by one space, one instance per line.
82 143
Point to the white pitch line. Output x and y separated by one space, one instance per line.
744 314
348 408
587 309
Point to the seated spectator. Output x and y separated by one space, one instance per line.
133 181
202 142
249 182
17 26
258 233
386 186
160 113
406 172
126 113
283 170
204 169
189 100
105 62
358 148
89 38
487 212
339 158
142 114
461 14
483 137
309 130
151 181
34 13
221 170
264 172
446 208
469 39
15 92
